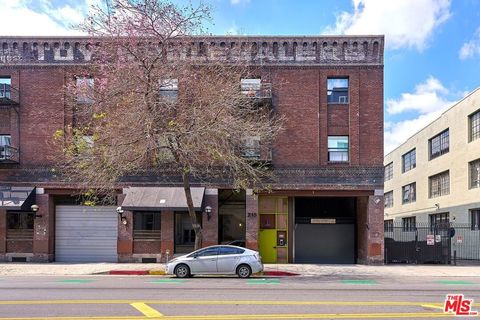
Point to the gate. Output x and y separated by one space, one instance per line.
442 243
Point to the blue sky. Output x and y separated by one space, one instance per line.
432 46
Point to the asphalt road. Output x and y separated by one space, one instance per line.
150 297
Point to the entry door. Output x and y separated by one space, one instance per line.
273 229
205 261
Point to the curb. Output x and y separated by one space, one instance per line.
162 273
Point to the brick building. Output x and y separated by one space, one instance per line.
325 207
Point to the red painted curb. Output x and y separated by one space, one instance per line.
129 272
280 273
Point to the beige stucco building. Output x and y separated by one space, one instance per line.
434 176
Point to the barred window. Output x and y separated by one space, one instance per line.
409 161
439 145
409 193
388 225
439 184
388 197
475 219
388 171
409 224
474 120
474 174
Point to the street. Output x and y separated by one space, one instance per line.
150 297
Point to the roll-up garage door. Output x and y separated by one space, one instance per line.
86 234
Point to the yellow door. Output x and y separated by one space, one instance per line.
267 245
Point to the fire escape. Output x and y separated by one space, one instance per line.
9 103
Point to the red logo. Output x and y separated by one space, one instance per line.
457 304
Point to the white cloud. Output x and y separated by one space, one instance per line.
427 97
428 100
236 2
405 23
23 20
471 48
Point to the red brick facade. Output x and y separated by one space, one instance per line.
298 69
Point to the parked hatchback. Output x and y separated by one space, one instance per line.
222 259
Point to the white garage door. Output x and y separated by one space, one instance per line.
86 234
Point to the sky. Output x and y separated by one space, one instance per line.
432 47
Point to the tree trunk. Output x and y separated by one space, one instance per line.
191 210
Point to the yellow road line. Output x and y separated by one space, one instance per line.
408 315
433 306
221 302
148 311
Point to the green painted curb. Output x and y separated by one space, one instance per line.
168 281
359 281
76 281
455 282
263 281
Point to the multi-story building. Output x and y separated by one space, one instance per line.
325 206
434 176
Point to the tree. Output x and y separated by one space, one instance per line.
145 110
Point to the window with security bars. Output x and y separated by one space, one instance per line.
388 199
409 224
409 193
475 219
439 220
474 174
409 161
388 171
474 125
439 145
439 184
388 225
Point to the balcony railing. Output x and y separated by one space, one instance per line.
8 154
8 95
264 91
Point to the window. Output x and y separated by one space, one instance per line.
409 161
206 252
146 225
84 89
474 174
474 129
20 225
388 171
439 184
439 144
475 219
5 147
229 250
5 85
409 193
408 224
388 199
338 148
169 90
439 220
388 225
337 90
251 148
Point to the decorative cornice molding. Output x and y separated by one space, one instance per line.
261 50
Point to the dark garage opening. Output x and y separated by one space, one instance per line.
325 230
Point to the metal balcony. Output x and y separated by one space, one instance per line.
8 154
8 95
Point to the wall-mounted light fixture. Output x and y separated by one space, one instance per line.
208 211
35 208
122 217
437 206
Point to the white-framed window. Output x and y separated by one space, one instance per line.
338 148
169 89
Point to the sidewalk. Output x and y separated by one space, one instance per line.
18 269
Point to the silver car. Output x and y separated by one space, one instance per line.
222 259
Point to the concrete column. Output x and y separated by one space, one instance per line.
3 234
252 220
167 233
42 228
210 226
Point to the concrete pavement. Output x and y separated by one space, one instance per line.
9 269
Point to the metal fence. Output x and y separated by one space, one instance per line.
443 243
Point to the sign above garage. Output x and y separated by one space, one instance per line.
323 221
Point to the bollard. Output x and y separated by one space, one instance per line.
167 253
454 257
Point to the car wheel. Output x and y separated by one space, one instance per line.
182 271
244 271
